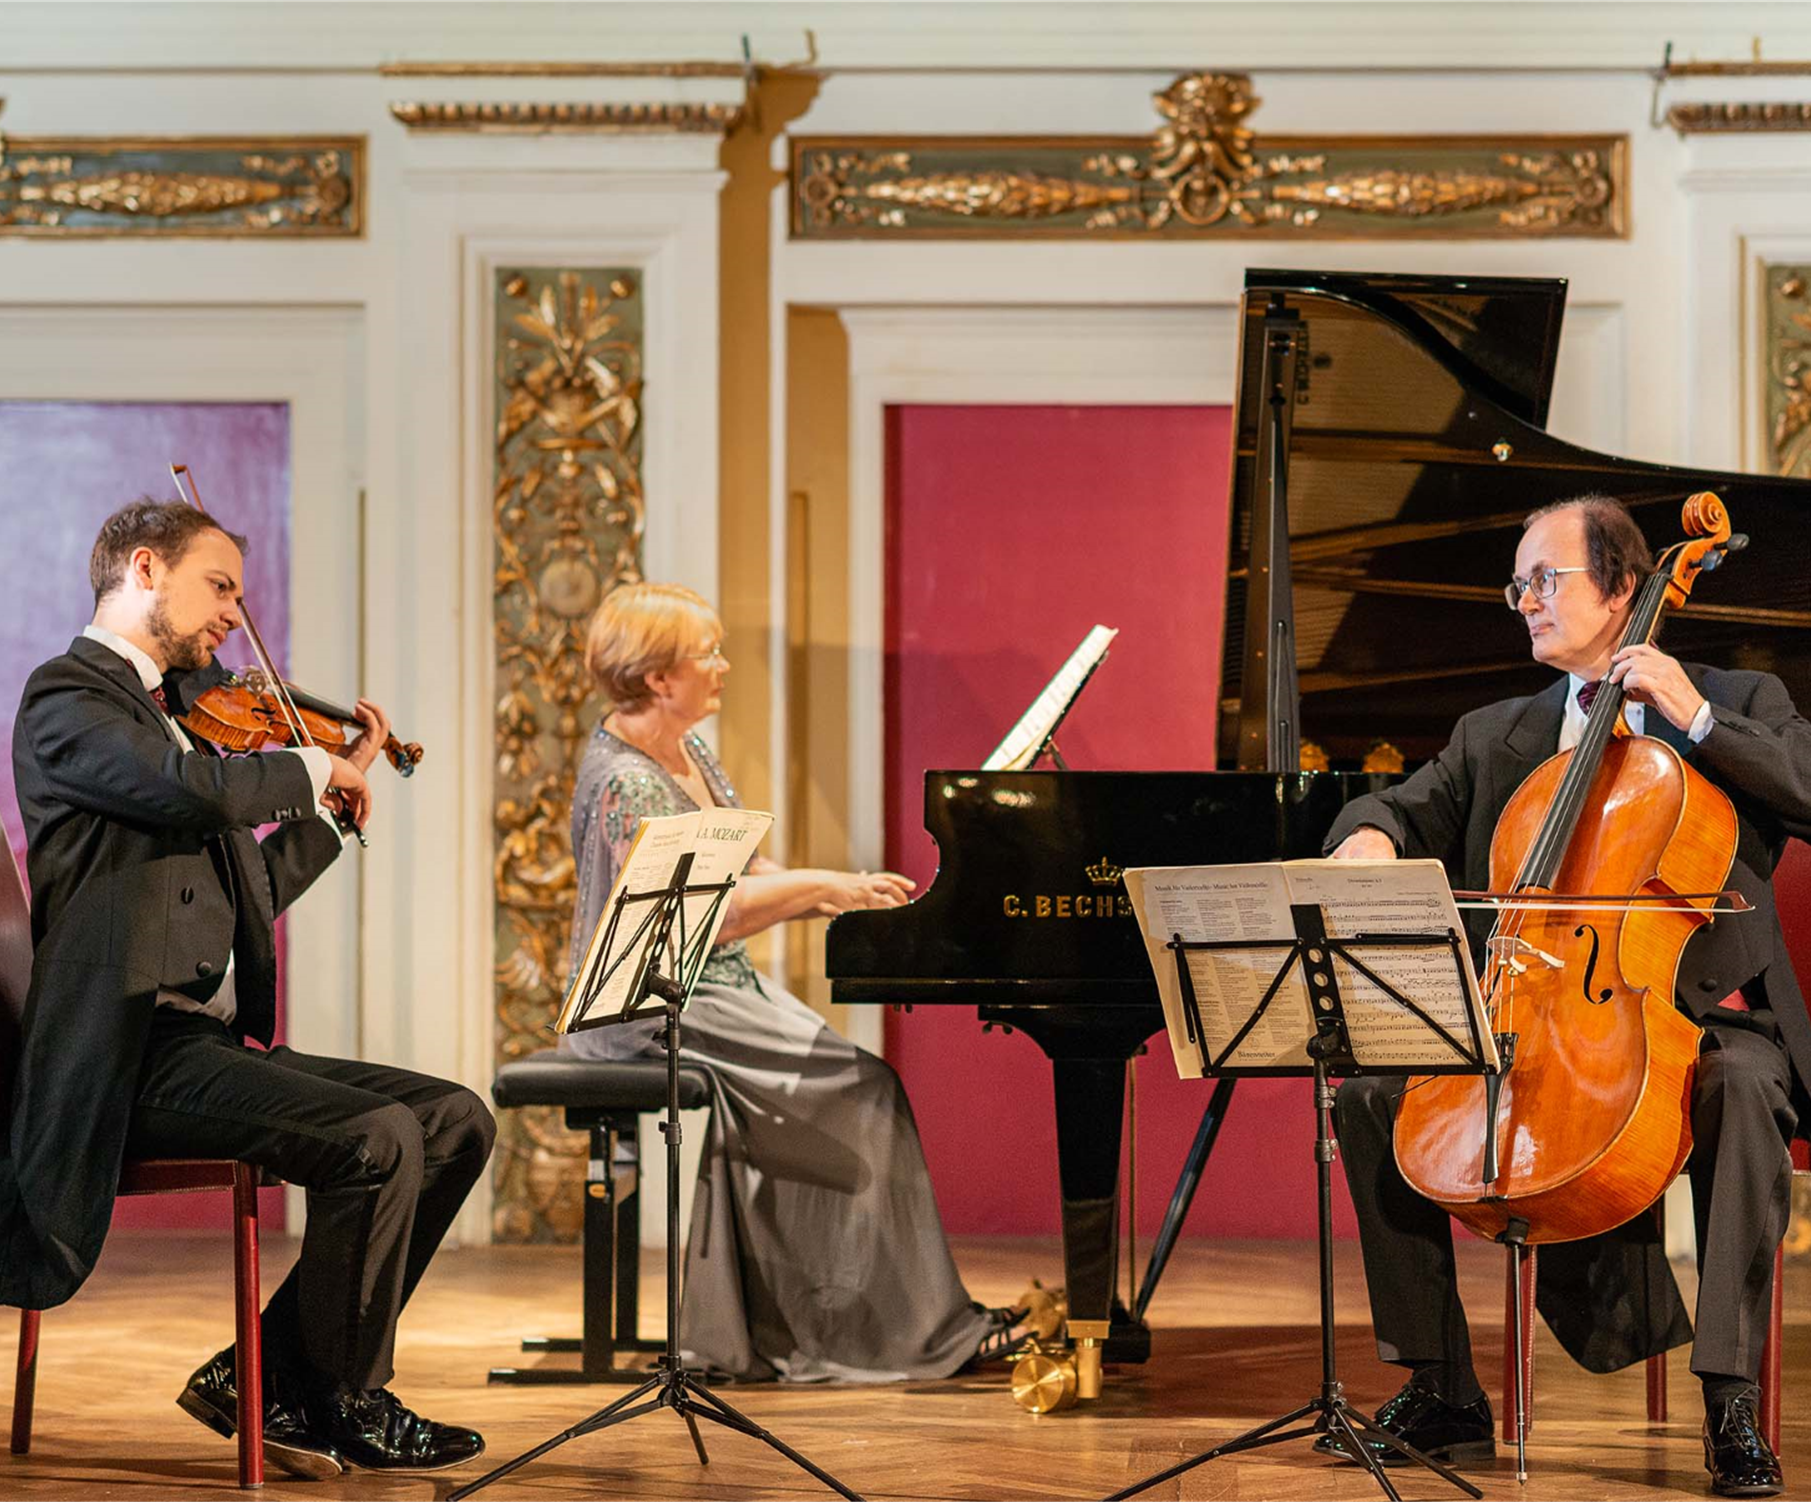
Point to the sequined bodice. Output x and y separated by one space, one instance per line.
616 788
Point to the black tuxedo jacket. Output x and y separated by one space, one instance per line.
145 876
1612 1300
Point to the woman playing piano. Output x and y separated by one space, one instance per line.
816 1250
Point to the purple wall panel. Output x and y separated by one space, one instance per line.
66 466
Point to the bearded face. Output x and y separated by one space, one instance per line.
183 651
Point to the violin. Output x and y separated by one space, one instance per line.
246 714
1607 859
243 715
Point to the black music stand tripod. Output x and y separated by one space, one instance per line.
671 1384
1330 1051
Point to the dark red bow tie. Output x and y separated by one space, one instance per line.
1586 693
161 699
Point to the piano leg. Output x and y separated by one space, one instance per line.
1088 1063
1090 1108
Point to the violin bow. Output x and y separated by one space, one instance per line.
279 689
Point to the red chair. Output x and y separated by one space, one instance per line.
1656 1365
147 1176
1792 893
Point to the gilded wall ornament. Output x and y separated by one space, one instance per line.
1788 370
567 522
149 186
1205 173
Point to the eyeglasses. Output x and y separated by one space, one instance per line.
714 654
1543 581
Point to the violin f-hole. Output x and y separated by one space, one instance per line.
1591 966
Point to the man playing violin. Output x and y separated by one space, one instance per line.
1611 1300
154 964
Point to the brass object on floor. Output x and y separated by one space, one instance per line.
1090 1337
1046 1311
1044 1380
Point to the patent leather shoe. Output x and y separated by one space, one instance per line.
373 1430
1422 1419
1740 1461
212 1398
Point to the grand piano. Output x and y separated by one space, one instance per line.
1391 436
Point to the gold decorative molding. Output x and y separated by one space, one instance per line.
536 117
567 522
1205 173
1739 117
1787 332
562 70
153 186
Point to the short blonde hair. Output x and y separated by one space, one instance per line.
641 629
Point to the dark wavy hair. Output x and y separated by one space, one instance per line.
1615 551
167 528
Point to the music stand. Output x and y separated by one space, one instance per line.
1330 1053
643 949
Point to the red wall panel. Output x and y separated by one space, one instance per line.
1011 531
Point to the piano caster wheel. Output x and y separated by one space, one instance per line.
1044 1381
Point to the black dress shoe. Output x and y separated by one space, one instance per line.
1420 1417
212 1397
373 1430
1740 1461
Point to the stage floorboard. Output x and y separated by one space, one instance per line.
1235 1343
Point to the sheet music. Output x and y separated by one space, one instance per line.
658 844
725 843
1252 902
1396 897
1020 748
1207 903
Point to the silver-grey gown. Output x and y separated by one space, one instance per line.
816 1251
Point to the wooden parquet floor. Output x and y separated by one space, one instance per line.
1236 1343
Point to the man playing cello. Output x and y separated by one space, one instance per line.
1611 1300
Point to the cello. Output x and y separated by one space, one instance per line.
1609 857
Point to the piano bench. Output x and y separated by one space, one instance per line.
603 1099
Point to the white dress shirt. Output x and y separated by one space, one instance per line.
222 1003
1572 727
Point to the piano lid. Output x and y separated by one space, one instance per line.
1415 444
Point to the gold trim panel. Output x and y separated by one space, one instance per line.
537 117
1787 336
1204 173
155 186
567 520
1739 118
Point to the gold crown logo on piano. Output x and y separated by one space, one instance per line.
1103 873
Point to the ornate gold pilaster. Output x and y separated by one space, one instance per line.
567 520
1205 174
1787 333
150 186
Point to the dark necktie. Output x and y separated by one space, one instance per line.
161 699
1586 693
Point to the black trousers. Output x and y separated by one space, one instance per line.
387 1157
1741 1177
